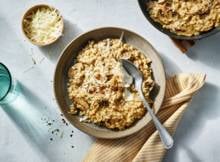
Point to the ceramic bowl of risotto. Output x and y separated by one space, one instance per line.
91 87
186 20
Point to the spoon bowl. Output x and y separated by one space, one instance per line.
133 71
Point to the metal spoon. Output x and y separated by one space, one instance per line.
165 137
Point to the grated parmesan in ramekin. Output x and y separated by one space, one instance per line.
43 25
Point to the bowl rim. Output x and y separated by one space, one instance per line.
34 7
93 30
159 27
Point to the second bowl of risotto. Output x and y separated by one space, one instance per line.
94 92
180 19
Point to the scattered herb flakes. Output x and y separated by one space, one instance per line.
64 122
49 124
57 132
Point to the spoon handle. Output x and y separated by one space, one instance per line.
165 137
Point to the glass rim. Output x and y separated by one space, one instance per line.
10 79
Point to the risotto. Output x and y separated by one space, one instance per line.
98 85
186 17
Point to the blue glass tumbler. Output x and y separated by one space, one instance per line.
8 86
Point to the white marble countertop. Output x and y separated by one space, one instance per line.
25 137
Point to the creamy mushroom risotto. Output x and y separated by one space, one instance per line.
186 17
100 89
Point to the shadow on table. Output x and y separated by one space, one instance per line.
190 154
196 116
26 112
53 51
207 51
171 68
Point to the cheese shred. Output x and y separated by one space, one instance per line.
43 26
